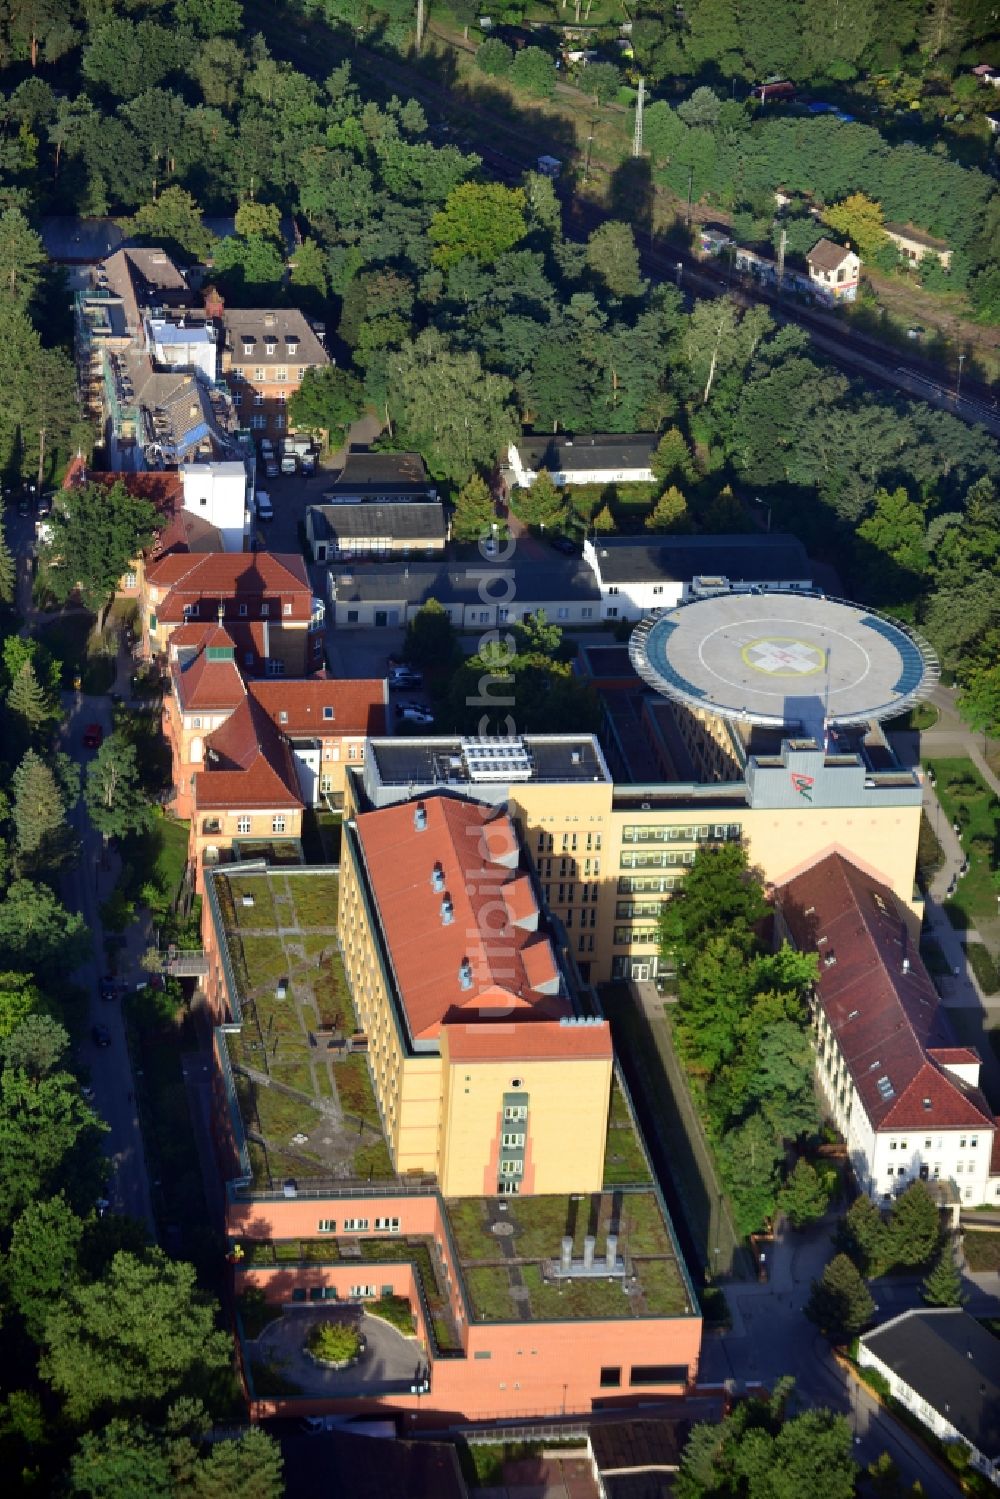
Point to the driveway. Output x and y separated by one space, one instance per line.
388 1365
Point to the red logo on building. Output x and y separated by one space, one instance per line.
803 785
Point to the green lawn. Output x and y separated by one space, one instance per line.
314 897
982 1249
624 1162
354 1089
984 966
261 913
967 800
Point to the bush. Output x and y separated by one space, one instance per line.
397 1311
494 58
334 1342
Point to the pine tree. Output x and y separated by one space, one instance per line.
29 701
670 513
671 457
603 521
38 805
839 1302
943 1286
475 511
915 1228
542 505
865 1236
8 571
805 1196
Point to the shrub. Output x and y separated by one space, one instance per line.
494 57
334 1342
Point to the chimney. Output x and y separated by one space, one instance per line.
437 877
420 817
567 1251
465 974
214 305
589 1244
612 1254
906 965
447 911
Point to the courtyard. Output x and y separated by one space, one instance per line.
387 1364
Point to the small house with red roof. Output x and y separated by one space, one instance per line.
906 1098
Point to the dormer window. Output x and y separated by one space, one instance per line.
282 716
243 611
270 344
292 343
286 609
265 609
248 343
327 712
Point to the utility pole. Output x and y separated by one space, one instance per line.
637 136
958 387
687 217
782 243
420 24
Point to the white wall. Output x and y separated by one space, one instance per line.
218 493
524 477
931 1418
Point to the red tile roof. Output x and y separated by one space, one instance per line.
477 851
958 1056
876 994
545 1040
249 764
204 581
203 682
358 706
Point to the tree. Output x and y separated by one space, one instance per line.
839 1302
48 1141
430 638
943 28
805 1195
43 838
35 26
96 531
250 1467
670 513
915 1226
702 108
29 701
37 933
137 1337
309 274
481 220
943 1284
173 220
8 571
328 400
250 268
494 57
720 896
22 256
543 504
123 1458
536 636
113 794
450 409
475 515
122 58
603 522
864 1235
211 17
42 1259
748 1159
36 1046
534 71
979 698
860 219
671 458
612 255
601 80
19 998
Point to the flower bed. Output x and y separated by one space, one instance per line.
335 1345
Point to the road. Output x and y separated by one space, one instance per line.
508 151
771 1337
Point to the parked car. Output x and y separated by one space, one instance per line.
87 1093
565 545
93 736
405 676
271 469
307 464
266 448
265 510
101 1035
289 464
414 713
107 987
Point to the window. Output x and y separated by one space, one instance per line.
961 1143
258 399
196 723
282 716
130 580
259 372
327 1226
363 1290
243 611
258 423
973 1142
643 1374
281 373
277 824
512 1142
562 612
511 1168
515 1111
612 614
275 666
286 609
326 783
355 1225
279 421
387 1225
265 609
243 824
328 713
611 1377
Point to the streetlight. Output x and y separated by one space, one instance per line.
958 387
680 271
758 501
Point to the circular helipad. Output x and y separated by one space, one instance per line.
783 658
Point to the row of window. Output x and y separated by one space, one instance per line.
358 1226
191 611
570 867
513 1112
569 844
583 917
971 1140
652 884
634 908
656 861
279 373
689 833
638 936
258 399
512 1168
244 824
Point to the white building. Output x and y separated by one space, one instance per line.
595 458
636 575
904 1097
175 342
834 271
217 492
944 1366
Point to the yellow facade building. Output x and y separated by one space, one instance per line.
607 855
482 1068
